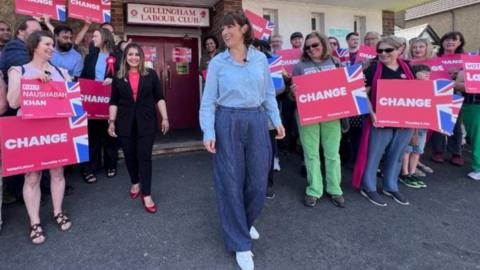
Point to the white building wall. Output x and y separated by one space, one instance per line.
296 16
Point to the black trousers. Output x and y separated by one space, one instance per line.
137 149
349 145
99 140
453 144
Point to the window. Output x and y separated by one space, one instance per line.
360 25
318 22
272 16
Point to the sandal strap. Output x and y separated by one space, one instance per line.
36 233
63 219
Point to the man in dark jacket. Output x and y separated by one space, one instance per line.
15 52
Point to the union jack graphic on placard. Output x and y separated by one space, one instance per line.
78 126
361 100
106 15
342 54
275 65
262 28
354 73
267 31
81 148
443 87
78 121
445 115
74 95
72 87
61 13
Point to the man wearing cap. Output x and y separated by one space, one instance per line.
296 39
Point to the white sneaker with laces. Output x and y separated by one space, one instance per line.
245 260
254 233
474 175
276 164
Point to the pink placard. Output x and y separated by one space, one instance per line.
438 71
331 94
262 28
97 11
55 9
471 73
49 100
290 57
34 145
453 61
365 53
96 98
416 104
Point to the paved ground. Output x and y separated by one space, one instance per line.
440 230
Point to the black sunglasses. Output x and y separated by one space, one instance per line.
314 45
387 50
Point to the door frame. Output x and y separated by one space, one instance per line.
170 32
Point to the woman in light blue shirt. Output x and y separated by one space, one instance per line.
238 100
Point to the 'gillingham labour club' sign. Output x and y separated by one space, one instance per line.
167 15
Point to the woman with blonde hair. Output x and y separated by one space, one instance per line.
420 49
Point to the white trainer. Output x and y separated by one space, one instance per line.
254 233
474 175
245 260
276 164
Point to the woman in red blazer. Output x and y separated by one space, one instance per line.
136 93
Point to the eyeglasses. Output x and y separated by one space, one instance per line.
333 44
314 45
387 50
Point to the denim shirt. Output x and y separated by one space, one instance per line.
236 85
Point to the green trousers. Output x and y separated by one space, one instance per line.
328 134
471 119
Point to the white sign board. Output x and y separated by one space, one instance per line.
167 15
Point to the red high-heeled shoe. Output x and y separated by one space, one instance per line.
150 209
134 195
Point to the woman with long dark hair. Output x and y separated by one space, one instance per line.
101 64
136 93
450 44
239 99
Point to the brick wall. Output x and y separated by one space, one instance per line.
216 16
388 20
118 17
